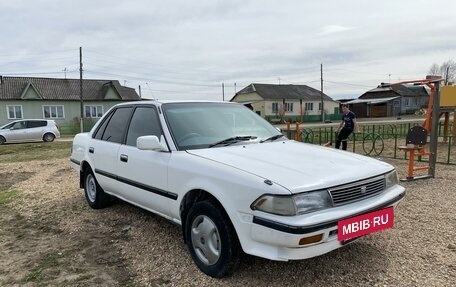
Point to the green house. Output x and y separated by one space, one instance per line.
59 99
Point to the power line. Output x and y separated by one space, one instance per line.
155 65
356 72
156 78
348 84
151 79
36 54
28 73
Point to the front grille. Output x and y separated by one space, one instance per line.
355 191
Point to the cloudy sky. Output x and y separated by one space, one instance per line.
187 49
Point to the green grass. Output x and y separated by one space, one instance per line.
35 276
85 277
38 274
34 151
7 196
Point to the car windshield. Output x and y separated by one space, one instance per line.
210 125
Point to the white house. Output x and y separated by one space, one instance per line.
287 102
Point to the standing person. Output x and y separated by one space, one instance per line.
346 127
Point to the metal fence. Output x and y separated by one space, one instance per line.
377 139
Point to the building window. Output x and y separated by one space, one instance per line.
309 106
53 112
406 102
288 107
275 107
14 112
93 111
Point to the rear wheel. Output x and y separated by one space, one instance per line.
94 194
48 137
2 140
211 240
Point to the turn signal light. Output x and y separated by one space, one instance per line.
311 239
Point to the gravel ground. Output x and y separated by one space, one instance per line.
125 246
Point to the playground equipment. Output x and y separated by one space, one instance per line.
417 137
415 146
447 106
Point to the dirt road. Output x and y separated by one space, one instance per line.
50 237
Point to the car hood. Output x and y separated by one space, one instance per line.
296 166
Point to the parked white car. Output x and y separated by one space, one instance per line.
233 181
28 131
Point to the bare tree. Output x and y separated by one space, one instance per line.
434 70
447 70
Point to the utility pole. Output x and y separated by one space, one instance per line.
81 121
321 94
65 71
446 75
139 88
234 88
223 91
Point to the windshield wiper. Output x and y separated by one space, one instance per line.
273 138
233 140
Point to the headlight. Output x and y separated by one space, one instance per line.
281 205
311 201
391 179
293 204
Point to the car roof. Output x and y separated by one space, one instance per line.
161 102
22 120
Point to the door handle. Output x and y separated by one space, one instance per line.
91 149
124 157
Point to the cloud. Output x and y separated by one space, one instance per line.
332 29
186 49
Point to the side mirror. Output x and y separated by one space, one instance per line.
151 143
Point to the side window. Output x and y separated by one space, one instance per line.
144 122
18 125
115 130
36 124
99 132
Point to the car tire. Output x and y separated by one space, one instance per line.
212 240
94 194
48 137
2 140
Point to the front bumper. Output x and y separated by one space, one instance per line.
278 238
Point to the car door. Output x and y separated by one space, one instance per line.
35 130
104 146
144 173
17 132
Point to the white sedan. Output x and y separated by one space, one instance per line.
233 181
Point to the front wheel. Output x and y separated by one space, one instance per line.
94 194
211 240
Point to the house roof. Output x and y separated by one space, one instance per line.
400 90
13 88
279 92
371 101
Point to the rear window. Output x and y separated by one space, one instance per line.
36 124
